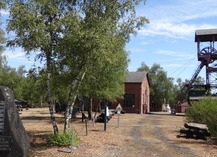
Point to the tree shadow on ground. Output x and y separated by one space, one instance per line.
197 141
38 139
35 118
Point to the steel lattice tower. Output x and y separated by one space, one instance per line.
207 55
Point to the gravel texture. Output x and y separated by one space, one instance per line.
151 135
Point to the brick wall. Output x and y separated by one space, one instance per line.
141 92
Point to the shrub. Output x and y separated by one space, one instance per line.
63 139
204 111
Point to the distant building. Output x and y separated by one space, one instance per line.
193 95
137 94
183 106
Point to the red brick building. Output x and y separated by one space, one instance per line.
137 93
183 106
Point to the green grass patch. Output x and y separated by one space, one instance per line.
63 139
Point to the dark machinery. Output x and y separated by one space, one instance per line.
207 55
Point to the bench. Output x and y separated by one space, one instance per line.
195 130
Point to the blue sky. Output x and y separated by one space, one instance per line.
168 40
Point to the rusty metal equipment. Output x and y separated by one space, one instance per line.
207 55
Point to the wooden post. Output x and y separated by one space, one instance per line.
118 119
86 126
105 118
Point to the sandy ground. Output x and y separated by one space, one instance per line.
151 135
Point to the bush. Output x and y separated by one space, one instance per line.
63 139
205 112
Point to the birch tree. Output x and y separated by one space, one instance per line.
2 41
69 35
38 27
101 24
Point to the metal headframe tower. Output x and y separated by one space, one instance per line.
207 55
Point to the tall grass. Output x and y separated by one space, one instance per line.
205 112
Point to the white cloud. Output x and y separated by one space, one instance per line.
173 30
180 19
180 10
136 50
147 42
4 12
168 29
17 57
175 54
195 9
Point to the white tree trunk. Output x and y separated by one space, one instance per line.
72 97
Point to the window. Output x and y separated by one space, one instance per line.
129 100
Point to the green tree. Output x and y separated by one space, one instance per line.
100 24
2 38
68 34
199 80
105 78
3 64
11 78
143 67
34 88
181 88
38 26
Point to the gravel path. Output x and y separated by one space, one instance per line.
148 135
147 138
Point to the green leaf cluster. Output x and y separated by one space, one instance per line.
2 38
163 89
204 111
75 37
63 139
77 40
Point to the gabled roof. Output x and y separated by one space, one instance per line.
204 35
136 77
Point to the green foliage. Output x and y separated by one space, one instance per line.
162 87
204 111
2 4
94 45
2 38
106 75
63 139
77 38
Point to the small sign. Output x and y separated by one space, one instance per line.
119 112
119 108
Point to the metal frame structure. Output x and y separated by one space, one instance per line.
207 55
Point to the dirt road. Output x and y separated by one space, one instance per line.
151 135
155 135
149 139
